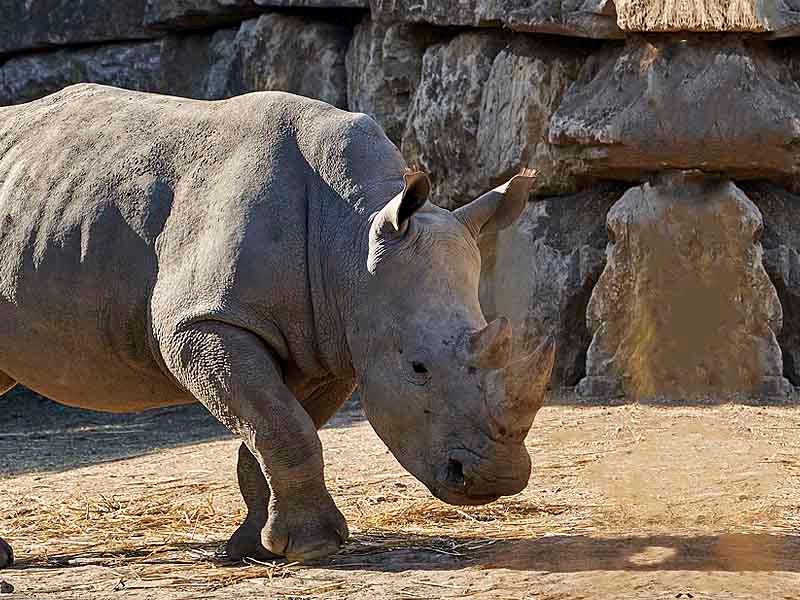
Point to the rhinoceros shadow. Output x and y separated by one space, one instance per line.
761 552
39 435
733 552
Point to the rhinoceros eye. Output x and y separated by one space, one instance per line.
416 370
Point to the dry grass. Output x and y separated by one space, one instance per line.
154 537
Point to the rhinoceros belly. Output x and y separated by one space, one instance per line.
75 281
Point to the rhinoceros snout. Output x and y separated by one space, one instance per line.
469 478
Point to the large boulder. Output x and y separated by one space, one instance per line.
684 309
285 52
179 66
582 18
26 25
442 131
29 77
384 66
196 14
315 3
482 111
214 65
202 14
723 104
540 273
782 17
193 65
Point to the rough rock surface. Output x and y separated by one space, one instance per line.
180 66
207 66
196 65
384 64
257 59
315 3
201 14
29 24
722 104
196 14
781 241
442 131
684 307
581 18
781 16
541 271
136 66
481 112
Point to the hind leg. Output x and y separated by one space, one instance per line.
246 541
6 553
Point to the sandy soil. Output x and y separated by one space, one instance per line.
625 502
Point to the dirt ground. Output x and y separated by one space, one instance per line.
624 503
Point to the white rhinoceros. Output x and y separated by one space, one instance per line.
260 255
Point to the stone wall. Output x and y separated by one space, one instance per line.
598 97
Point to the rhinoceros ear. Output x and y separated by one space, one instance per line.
406 203
499 208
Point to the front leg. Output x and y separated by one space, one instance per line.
236 377
321 405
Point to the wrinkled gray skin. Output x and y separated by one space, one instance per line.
260 255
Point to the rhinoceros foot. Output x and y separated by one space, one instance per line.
301 532
6 554
244 543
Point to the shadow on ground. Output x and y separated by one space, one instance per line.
571 554
570 397
549 554
37 434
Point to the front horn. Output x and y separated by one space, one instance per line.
490 347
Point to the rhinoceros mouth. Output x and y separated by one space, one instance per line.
459 498
451 487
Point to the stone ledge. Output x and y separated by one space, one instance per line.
580 18
200 14
602 19
43 24
714 103
197 14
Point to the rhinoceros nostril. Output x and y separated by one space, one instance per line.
419 367
455 473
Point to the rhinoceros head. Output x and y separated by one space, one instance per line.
438 383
